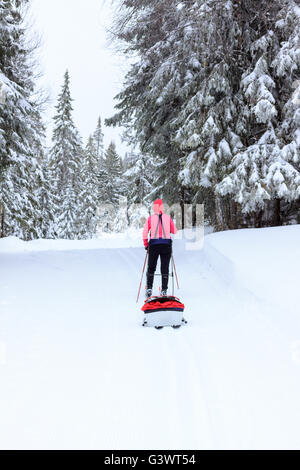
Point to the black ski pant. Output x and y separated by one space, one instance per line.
165 253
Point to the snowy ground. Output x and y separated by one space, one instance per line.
78 370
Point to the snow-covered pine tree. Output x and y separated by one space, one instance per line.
212 90
41 184
265 172
205 121
21 189
139 174
20 128
90 195
114 185
11 82
98 143
121 221
45 198
66 162
149 101
139 177
112 188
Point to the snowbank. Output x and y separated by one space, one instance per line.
132 238
107 241
266 261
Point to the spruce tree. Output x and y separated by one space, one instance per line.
113 186
20 128
90 195
149 99
98 143
66 161
141 186
139 176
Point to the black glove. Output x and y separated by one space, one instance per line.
146 248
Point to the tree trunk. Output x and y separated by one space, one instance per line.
218 214
258 218
277 213
182 206
232 214
2 221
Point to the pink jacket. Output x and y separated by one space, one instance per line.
151 225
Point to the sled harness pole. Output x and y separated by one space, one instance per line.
173 262
142 277
172 276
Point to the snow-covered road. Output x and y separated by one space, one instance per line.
78 370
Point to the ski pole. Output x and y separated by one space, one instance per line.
175 271
142 277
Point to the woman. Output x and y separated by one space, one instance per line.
160 226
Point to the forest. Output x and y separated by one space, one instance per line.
210 104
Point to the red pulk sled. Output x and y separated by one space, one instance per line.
163 311
160 304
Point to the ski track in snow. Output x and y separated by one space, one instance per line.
80 372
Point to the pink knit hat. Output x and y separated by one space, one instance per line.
158 203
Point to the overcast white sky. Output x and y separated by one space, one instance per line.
74 38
